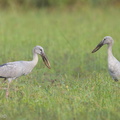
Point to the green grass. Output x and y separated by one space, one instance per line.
78 87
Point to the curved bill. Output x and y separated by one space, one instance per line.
45 60
98 47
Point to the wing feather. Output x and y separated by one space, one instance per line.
10 70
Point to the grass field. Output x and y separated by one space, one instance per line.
78 87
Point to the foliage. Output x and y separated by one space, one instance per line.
56 3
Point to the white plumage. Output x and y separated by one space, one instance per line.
113 63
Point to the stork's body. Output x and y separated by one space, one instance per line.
13 70
113 63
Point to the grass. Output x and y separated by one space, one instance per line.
78 87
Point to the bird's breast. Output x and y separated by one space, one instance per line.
114 69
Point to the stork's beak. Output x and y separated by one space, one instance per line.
45 60
98 47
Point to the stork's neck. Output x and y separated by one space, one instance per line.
110 50
35 58
111 58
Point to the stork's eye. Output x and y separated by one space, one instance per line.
41 50
104 39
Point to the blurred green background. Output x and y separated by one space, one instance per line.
78 85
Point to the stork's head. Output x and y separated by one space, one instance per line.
39 50
106 40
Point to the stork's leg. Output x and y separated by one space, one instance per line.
7 90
